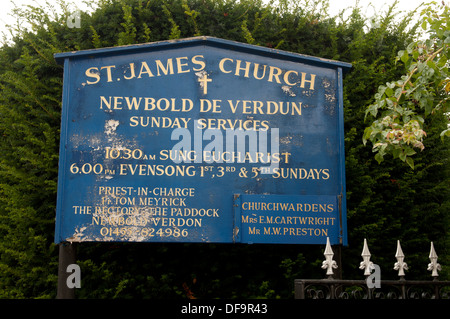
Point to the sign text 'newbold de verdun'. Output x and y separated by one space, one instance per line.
201 140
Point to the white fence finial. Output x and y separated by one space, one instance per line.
366 264
400 265
329 263
434 266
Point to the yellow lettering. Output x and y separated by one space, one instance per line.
286 77
246 109
145 70
117 102
197 62
186 108
149 101
311 81
273 74
131 71
255 72
257 107
163 155
90 73
107 103
180 65
108 71
167 69
246 69
222 63
296 108
134 102
134 121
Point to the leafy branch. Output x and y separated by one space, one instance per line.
401 106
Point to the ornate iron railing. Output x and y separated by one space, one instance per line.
372 287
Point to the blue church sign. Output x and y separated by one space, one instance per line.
201 140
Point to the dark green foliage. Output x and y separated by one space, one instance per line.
385 202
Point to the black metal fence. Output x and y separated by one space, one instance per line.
358 289
372 287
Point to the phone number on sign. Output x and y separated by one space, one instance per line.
143 232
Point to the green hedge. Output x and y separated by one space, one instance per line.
385 202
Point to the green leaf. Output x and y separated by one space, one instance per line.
424 25
381 90
390 85
389 92
367 133
409 151
396 152
445 133
379 158
405 57
410 162
432 65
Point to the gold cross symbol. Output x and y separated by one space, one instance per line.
203 79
